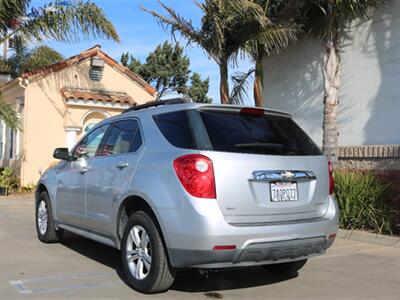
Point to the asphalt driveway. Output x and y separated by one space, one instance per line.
80 269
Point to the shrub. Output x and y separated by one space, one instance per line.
28 188
8 180
364 202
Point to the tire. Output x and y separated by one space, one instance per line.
45 229
288 268
141 239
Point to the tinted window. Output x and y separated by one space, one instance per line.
233 132
267 134
124 137
175 128
88 146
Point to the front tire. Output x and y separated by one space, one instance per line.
288 268
46 231
144 257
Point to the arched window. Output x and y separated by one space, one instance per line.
88 127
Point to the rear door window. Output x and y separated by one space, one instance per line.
124 137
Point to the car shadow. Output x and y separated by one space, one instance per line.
226 279
189 280
100 253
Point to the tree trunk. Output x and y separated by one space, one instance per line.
5 49
224 85
258 84
331 72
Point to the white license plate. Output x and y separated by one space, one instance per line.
283 191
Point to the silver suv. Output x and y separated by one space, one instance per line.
183 185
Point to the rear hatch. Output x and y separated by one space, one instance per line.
266 168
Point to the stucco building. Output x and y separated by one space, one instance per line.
59 103
369 108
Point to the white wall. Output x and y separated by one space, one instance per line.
369 111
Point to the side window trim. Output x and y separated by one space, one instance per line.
112 125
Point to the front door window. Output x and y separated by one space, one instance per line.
88 146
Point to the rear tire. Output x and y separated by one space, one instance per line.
144 256
46 231
288 268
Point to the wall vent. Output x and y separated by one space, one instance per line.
96 68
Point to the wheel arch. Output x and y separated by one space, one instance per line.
40 189
132 204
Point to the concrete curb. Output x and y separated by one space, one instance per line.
368 237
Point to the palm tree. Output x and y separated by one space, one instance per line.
25 59
55 21
59 20
328 18
225 27
276 37
282 31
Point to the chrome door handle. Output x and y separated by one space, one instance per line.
122 165
83 170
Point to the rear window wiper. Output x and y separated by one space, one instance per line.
261 146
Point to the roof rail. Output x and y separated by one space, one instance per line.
156 103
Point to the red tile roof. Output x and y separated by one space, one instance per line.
95 51
105 96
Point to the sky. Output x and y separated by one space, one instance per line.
140 34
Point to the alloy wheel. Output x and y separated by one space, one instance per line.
138 252
42 217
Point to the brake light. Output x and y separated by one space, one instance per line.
254 112
196 174
331 181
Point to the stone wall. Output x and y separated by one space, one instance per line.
370 157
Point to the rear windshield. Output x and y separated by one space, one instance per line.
229 131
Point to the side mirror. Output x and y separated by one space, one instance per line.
61 153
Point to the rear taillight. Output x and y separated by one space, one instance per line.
196 174
331 181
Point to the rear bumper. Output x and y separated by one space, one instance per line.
190 239
252 254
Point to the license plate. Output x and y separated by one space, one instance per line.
283 191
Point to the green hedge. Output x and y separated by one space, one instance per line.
364 202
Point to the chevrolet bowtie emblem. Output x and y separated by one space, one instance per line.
287 174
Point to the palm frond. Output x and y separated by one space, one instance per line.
175 23
83 19
249 10
8 114
239 91
275 37
11 9
278 37
5 67
357 8
322 16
